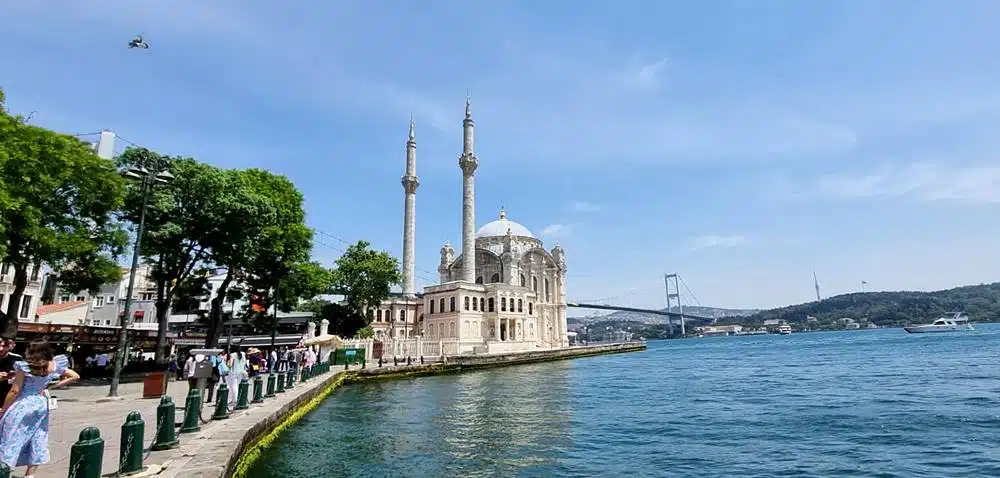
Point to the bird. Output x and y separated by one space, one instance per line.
138 42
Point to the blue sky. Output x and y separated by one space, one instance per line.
742 144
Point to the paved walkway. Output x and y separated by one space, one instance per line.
86 405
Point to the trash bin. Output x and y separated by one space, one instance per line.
154 385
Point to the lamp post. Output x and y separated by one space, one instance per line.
147 180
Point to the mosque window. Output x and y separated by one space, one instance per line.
547 298
475 304
491 303
519 305
432 306
495 278
402 316
531 308
482 304
534 284
451 329
451 304
378 315
441 308
479 280
465 329
503 304
466 302
522 280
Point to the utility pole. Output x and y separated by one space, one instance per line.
669 279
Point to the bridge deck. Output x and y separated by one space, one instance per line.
642 311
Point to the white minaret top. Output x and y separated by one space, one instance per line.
410 184
468 162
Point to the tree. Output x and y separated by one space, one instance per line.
365 277
57 208
260 234
178 222
366 332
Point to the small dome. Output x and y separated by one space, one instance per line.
500 227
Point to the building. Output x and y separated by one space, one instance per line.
31 297
503 292
105 307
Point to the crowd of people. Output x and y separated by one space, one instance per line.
25 383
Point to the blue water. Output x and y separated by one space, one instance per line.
871 403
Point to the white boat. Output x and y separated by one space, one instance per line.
957 323
784 329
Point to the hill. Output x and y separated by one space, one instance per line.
640 318
891 309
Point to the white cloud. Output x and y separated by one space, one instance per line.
927 182
712 240
557 230
584 206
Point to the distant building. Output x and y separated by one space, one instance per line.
31 297
106 306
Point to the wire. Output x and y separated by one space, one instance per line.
688 289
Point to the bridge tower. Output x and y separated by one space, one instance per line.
674 296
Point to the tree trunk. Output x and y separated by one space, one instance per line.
162 319
215 314
10 320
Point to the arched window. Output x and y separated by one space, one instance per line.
522 280
519 304
534 284
371 315
432 306
465 329
452 308
475 304
547 298
492 304
503 304
475 329
402 316
466 301
495 278
451 329
482 304
479 280
530 308
378 315
441 308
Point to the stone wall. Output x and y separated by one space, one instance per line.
266 430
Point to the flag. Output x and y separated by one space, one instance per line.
864 283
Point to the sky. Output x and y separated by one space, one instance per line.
742 145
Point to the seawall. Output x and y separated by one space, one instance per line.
230 449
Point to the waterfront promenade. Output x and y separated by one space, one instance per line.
214 448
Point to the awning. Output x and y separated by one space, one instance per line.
265 340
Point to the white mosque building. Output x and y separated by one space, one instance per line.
503 292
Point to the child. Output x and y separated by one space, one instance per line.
24 428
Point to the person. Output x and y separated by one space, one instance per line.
24 428
237 372
7 361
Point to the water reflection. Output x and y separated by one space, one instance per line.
510 421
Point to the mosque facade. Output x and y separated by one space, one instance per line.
501 292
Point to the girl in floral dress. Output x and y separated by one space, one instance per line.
24 428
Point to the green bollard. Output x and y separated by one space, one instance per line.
192 411
258 389
242 397
270 386
86 456
166 438
130 450
289 378
221 403
281 383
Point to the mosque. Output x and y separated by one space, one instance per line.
503 292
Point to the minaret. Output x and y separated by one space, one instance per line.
468 162
410 184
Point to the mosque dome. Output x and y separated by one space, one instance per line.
500 227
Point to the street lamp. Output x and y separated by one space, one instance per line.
147 180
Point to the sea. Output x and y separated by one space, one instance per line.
865 403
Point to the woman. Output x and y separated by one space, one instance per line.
237 372
24 428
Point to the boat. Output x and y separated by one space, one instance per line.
784 329
956 323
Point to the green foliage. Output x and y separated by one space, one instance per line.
305 281
57 207
344 321
891 309
366 332
365 277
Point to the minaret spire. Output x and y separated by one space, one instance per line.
410 183
468 162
